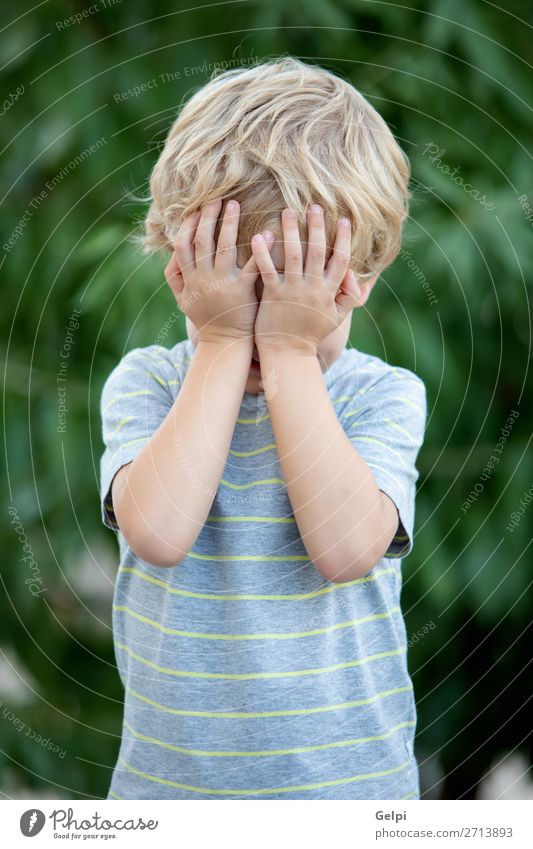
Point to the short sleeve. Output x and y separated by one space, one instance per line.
385 422
135 399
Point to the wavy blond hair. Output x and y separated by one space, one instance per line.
282 133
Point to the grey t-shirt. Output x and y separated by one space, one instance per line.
246 673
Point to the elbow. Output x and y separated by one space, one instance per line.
147 538
149 544
157 553
342 566
145 530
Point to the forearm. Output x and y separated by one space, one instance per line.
343 518
169 488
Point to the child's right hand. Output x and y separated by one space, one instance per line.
218 297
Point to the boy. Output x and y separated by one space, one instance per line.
260 474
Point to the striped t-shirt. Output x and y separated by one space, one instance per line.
246 673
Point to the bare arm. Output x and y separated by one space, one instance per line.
162 498
345 521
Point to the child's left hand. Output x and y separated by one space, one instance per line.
303 305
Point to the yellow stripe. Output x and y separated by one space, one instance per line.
128 395
407 377
163 382
378 442
122 422
155 377
354 413
115 795
401 429
250 597
342 398
294 635
123 370
249 519
249 676
127 444
211 714
265 791
410 404
134 441
252 483
253 421
252 453
359 392
258 558
266 753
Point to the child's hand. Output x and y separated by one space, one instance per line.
300 307
217 296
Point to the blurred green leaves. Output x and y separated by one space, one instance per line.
441 73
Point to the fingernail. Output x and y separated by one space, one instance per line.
345 222
290 213
268 235
257 238
315 208
232 204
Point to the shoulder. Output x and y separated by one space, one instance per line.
151 365
356 373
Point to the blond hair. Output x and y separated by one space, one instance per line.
279 134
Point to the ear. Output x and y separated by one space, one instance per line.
364 288
367 284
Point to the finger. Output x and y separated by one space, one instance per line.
251 265
226 254
347 297
204 238
292 246
183 242
174 277
261 244
316 244
172 268
338 264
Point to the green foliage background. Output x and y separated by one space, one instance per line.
450 74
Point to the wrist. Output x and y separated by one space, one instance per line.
236 350
226 339
297 348
235 353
